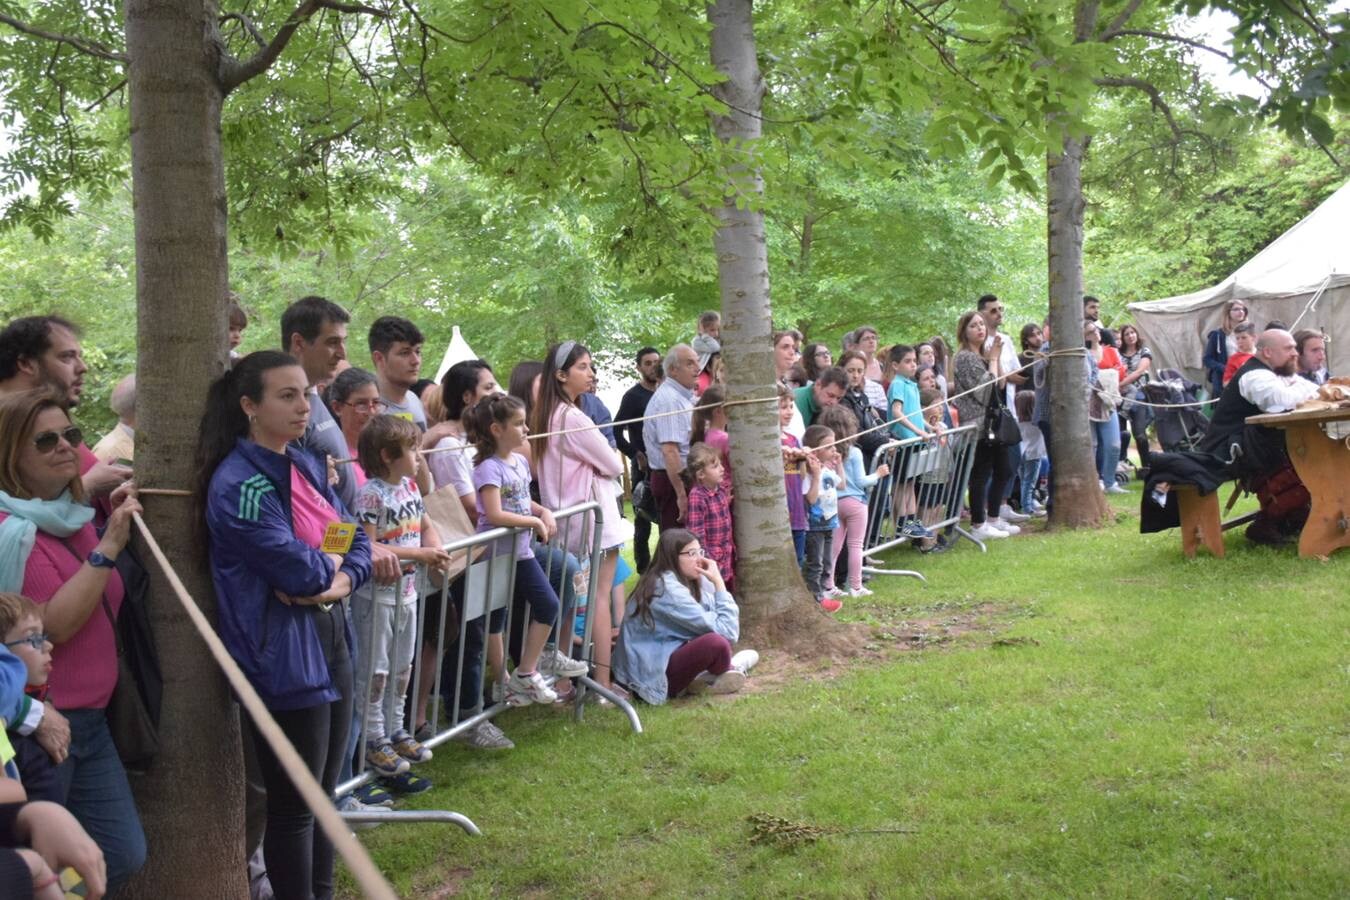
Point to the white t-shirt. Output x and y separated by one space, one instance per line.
1007 362
453 467
395 510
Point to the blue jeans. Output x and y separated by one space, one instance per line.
1029 473
1107 435
799 544
98 795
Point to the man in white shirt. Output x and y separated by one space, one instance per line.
1266 383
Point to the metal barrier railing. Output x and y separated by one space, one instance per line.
937 471
479 594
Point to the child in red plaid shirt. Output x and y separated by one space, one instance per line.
709 515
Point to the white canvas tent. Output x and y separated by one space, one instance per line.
458 351
1303 276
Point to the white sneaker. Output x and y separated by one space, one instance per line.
729 682
744 660
1116 489
860 592
1009 527
1038 510
522 690
986 531
553 662
831 593
1008 514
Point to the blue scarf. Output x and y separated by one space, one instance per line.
61 518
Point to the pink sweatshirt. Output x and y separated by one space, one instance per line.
84 668
578 468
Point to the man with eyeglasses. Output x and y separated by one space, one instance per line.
39 352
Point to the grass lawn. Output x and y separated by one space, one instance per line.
1075 714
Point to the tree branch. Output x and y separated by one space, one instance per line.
84 45
235 73
248 27
1119 21
1155 96
1189 42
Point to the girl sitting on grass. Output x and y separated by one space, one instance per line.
679 625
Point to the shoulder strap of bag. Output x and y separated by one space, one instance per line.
107 607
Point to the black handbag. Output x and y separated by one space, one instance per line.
1000 425
644 501
133 709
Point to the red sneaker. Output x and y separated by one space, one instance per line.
829 604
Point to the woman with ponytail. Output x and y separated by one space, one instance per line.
576 468
264 509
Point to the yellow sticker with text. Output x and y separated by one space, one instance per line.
338 536
404 415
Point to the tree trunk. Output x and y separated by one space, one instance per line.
191 803
1078 499
769 583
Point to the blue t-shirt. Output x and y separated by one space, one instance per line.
906 392
823 515
512 480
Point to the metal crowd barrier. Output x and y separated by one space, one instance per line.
938 469
483 588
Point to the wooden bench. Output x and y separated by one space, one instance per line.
1200 521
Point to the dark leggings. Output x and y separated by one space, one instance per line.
706 653
985 493
299 856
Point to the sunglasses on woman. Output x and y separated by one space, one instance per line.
46 441
36 641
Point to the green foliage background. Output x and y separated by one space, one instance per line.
906 251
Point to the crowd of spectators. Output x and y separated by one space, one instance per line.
312 481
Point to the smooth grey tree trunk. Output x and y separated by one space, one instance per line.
191 802
769 584
1078 499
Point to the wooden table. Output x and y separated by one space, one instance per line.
1323 464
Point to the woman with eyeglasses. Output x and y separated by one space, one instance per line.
1220 344
816 358
354 397
680 625
50 552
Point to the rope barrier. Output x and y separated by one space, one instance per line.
595 427
372 883
1038 357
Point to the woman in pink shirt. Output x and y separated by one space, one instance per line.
577 468
50 552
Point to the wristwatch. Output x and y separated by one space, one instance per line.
99 561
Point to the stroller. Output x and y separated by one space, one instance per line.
1177 429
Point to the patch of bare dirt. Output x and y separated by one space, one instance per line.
890 633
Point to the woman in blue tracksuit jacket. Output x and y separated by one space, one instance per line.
264 506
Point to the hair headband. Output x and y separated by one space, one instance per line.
564 350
